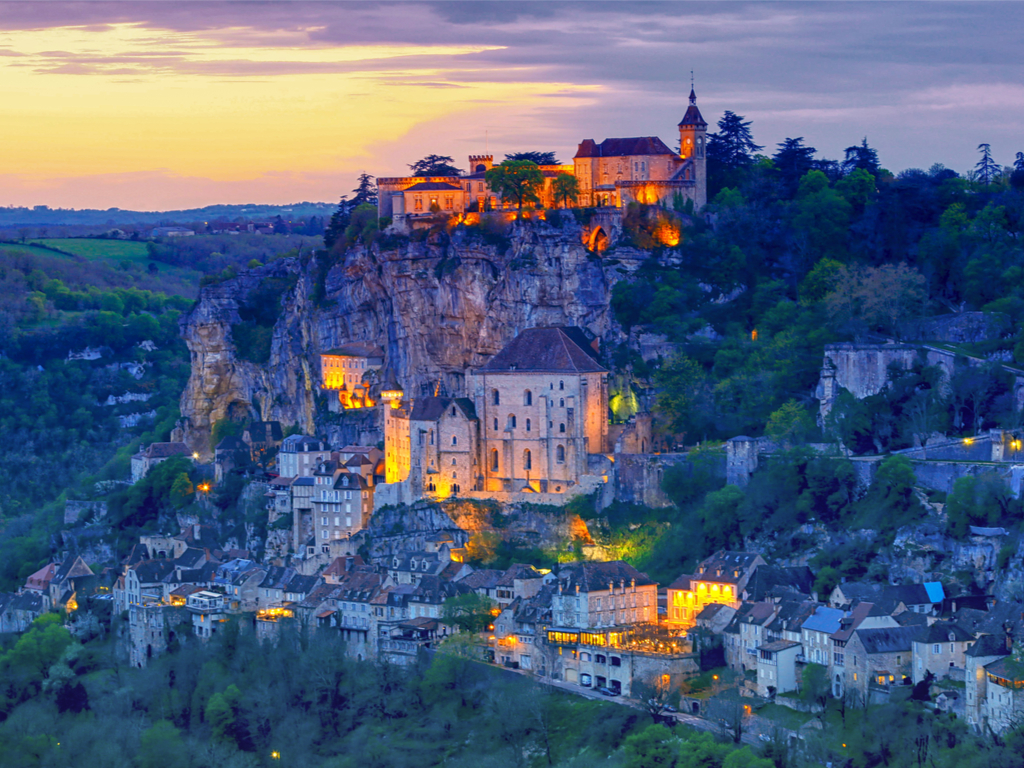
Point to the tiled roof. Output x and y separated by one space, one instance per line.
548 350
485 578
518 571
433 186
777 645
725 567
166 450
988 645
595 577
633 145
941 632
302 444
887 639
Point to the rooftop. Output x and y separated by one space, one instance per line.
549 350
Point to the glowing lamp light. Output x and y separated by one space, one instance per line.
275 755
204 487
195 455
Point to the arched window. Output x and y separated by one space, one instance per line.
527 397
560 454
561 426
561 385
527 425
511 421
495 397
455 440
527 460
561 403
453 410
495 425
453 462
453 475
494 459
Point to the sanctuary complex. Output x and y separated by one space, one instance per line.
611 173
534 422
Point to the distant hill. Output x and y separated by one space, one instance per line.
42 215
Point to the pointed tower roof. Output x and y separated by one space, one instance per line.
693 116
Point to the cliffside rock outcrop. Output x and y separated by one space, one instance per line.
436 306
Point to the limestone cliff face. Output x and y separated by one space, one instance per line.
436 307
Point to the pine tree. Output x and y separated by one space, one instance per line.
987 168
792 161
339 222
861 156
1018 163
733 146
365 191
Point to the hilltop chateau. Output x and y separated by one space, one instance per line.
611 173
536 423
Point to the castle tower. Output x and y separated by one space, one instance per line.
480 163
693 144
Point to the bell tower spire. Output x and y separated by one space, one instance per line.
692 146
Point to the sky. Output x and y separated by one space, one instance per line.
178 104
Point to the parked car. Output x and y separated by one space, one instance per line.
586 681
606 692
670 708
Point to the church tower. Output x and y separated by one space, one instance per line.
693 144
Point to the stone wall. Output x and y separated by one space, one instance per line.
437 308
639 477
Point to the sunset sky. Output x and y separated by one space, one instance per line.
161 105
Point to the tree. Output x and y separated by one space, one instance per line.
861 156
518 180
651 748
988 170
470 612
652 694
538 158
876 297
733 146
982 500
338 223
792 160
566 189
435 165
161 746
789 424
1018 163
365 191
686 398
815 687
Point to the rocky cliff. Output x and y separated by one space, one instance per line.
437 306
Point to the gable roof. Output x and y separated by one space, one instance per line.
166 450
944 632
633 145
824 619
887 639
989 645
518 571
551 350
725 567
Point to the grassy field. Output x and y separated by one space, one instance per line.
118 253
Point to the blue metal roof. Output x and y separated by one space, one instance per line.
935 592
824 620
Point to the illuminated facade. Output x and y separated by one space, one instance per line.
349 371
537 419
614 173
719 579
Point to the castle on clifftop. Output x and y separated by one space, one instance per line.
611 173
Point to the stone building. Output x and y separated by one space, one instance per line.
151 629
536 423
594 595
348 373
299 455
614 173
154 454
877 659
942 650
981 701
719 579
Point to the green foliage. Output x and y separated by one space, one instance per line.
982 500
470 612
652 747
516 180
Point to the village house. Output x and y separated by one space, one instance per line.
720 578
877 659
987 650
20 610
941 649
152 627
155 453
70 582
209 611
263 439
299 455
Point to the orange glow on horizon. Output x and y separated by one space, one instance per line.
135 116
